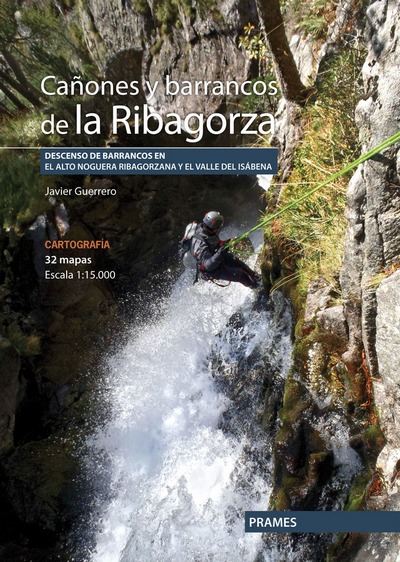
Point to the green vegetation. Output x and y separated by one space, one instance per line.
22 188
356 499
313 17
27 345
255 103
280 501
25 129
36 39
316 17
141 6
374 441
169 14
312 232
377 279
253 43
293 402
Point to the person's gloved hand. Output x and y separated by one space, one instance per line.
227 241
223 246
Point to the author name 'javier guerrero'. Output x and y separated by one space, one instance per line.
80 191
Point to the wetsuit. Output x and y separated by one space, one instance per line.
215 262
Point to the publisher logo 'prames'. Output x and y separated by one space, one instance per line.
271 523
322 521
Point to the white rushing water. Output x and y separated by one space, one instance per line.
178 481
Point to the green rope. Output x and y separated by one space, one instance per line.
244 252
385 144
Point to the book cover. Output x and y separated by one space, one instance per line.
238 404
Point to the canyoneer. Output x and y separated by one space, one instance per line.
212 258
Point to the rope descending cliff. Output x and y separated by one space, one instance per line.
367 156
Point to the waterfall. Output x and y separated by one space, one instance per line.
186 453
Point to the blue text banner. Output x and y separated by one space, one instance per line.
158 161
322 521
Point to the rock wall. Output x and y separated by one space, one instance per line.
339 348
387 390
150 40
372 252
373 235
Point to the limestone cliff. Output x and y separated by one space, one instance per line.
372 245
345 356
150 40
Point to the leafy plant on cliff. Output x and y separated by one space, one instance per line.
252 41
